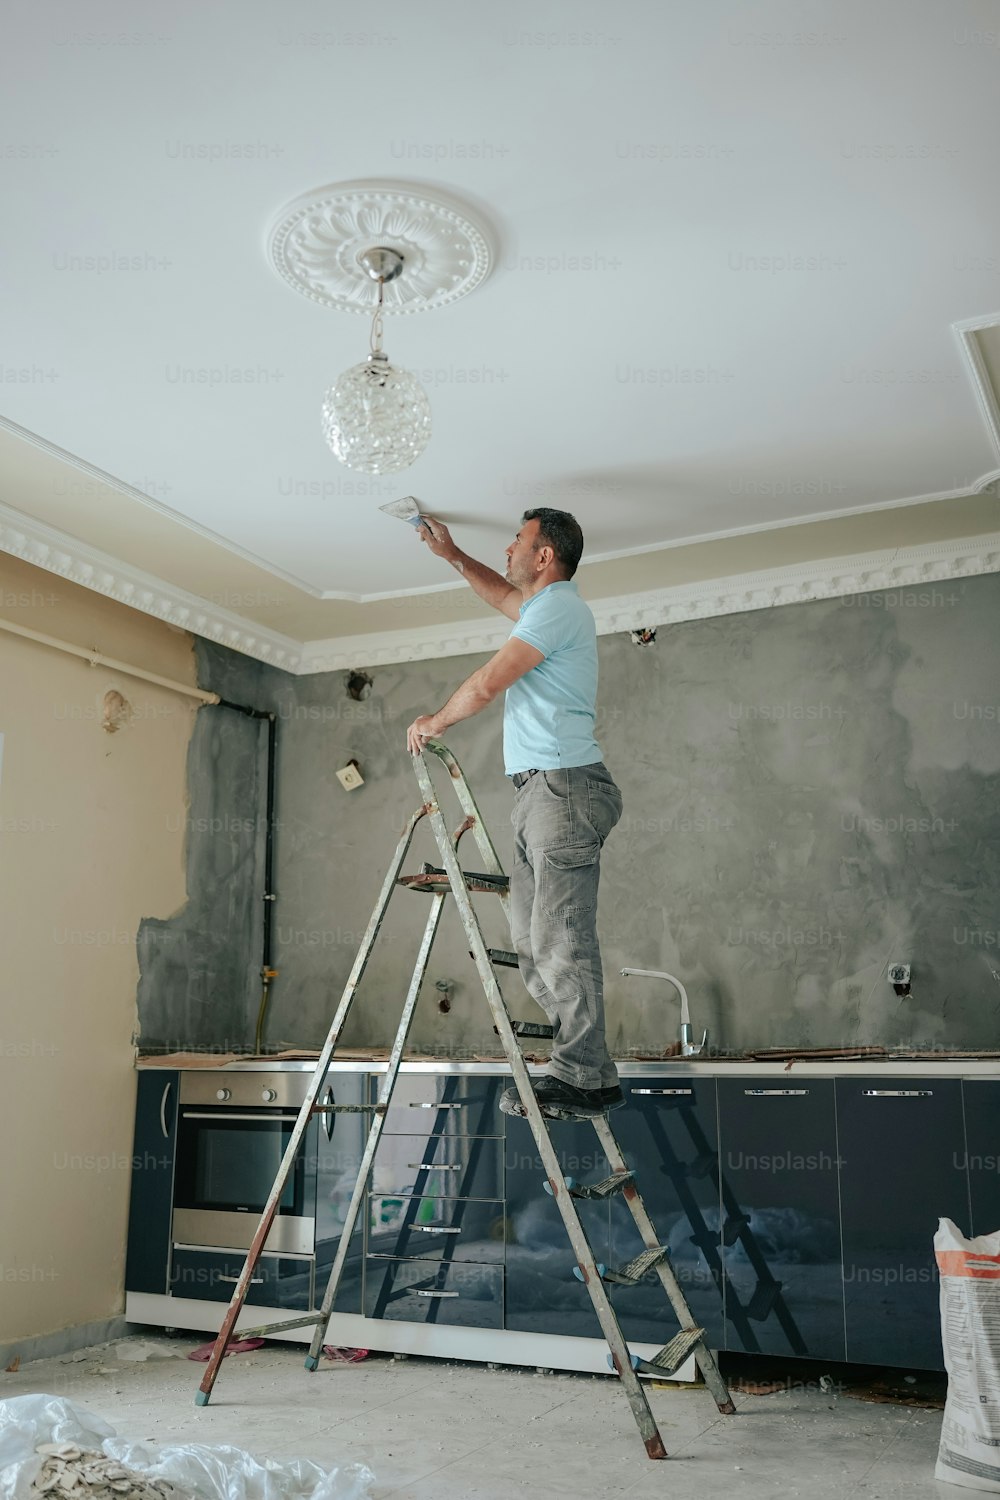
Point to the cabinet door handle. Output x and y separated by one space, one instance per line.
163 1110
254 1280
434 1229
432 1166
774 1093
897 1093
439 1294
662 1091
461 1105
329 1104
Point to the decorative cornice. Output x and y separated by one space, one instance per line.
968 336
797 583
92 569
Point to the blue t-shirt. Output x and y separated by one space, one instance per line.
548 719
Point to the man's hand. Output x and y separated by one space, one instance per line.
438 538
419 732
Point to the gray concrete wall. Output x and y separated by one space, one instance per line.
810 793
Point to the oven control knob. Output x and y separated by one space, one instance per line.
222 1095
269 1095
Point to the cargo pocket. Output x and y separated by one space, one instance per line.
568 880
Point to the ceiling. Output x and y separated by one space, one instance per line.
736 248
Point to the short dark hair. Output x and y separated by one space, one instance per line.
560 531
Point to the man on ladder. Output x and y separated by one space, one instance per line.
566 801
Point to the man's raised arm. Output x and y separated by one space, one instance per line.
496 591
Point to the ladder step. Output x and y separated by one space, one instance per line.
433 880
529 1028
616 1183
702 1165
670 1358
256 1333
502 959
761 1304
633 1271
347 1109
733 1228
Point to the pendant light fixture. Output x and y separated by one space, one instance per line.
419 249
377 417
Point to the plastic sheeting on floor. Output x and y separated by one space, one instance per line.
194 1469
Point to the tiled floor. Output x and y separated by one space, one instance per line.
436 1431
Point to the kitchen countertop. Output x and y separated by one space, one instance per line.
941 1064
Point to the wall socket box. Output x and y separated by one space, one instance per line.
899 973
350 777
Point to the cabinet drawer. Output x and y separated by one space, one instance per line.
210 1276
436 1228
412 1291
462 1104
438 1166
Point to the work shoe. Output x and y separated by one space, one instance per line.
559 1100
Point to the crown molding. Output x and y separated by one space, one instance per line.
54 550
967 333
797 583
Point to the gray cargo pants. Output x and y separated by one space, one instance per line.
561 819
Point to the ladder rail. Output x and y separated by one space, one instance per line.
704 1358
285 1168
574 1229
375 1130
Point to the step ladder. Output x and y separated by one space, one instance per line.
439 882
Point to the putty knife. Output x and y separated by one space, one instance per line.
407 509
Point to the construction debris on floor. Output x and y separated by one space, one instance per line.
51 1447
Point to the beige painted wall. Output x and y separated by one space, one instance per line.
91 840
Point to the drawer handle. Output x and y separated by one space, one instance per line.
254 1280
898 1093
662 1091
461 1105
439 1294
774 1093
432 1166
434 1229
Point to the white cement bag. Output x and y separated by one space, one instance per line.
969 1454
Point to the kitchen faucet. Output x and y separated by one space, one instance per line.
688 1046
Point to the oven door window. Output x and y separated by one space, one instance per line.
229 1164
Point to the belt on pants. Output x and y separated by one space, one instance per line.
520 777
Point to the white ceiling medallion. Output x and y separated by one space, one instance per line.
315 244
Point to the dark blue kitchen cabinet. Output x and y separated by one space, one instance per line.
902 1168
211 1276
780 1227
981 1153
153 1154
669 1134
438 1166
542 1293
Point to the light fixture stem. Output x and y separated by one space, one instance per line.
375 340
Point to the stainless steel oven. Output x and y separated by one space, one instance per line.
232 1132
